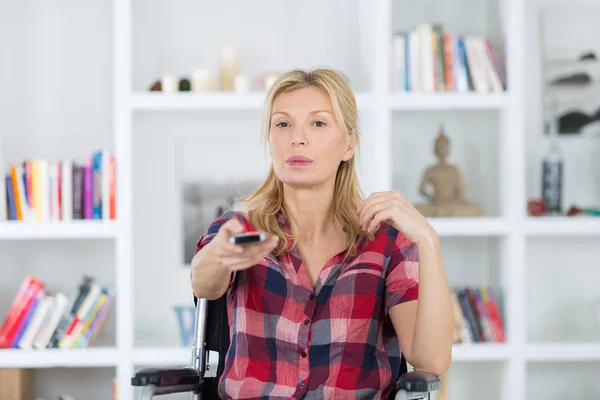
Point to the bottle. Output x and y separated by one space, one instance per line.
552 169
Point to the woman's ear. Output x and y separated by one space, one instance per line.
351 146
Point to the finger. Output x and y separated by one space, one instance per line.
257 249
225 248
378 219
238 264
374 198
370 210
368 200
228 261
231 227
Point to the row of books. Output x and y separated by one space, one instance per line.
40 319
427 59
477 316
63 190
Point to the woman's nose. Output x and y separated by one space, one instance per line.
299 139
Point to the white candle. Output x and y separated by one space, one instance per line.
170 83
202 81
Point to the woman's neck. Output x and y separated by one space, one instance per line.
311 209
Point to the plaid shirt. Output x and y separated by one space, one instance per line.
334 340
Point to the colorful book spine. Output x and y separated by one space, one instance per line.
60 190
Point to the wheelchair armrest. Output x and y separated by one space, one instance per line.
418 382
160 381
166 377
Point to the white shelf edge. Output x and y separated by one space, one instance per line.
562 226
444 100
52 358
480 352
469 226
563 352
180 101
78 229
570 4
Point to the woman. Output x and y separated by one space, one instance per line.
328 304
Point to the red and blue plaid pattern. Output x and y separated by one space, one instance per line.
334 340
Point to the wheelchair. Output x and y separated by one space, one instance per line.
157 381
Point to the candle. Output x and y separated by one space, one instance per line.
170 83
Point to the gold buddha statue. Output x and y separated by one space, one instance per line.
445 180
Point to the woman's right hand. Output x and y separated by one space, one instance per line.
238 257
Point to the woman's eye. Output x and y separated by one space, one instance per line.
282 125
320 124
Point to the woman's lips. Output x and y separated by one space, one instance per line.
298 161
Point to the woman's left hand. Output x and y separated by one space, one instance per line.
393 208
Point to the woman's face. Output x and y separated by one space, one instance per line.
306 142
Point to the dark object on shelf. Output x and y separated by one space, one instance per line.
577 79
588 56
185 85
157 381
572 122
156 87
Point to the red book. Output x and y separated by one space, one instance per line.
18 310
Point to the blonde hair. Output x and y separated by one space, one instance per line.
261 206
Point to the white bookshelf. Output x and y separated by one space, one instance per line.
142 117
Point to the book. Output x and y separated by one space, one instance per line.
429 59
59 190
39 318
477 316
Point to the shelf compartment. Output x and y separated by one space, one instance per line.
562 296
473 137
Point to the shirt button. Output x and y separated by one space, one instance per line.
303 354
302 385
311 297
306 321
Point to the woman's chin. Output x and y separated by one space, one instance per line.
300 180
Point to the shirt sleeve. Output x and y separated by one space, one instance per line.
212 230
402 280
